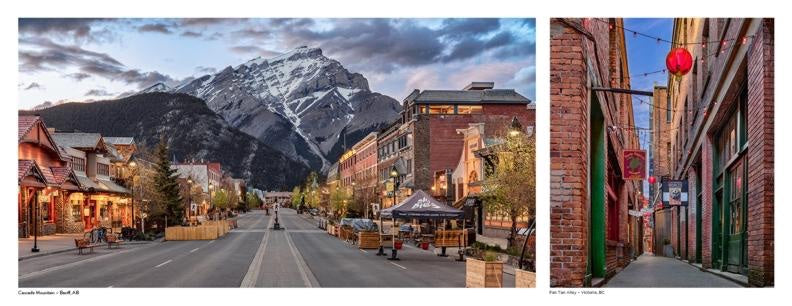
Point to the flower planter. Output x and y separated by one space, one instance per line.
483 274
524 279
398 244
368 240
425 245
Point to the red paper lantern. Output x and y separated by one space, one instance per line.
651 180
679 61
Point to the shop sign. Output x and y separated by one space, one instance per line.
634 165
675 192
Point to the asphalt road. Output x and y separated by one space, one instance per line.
251 256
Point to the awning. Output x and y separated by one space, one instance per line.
110 186
421 205
87 183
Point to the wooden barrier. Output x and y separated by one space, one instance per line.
524 279
209 230
483 274
368 240
450 238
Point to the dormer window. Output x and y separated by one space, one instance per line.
78 164
103 169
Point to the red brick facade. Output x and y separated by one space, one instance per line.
730 86
587 53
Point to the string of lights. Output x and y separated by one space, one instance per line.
701 59
704 44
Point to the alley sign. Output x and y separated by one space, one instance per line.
675 192
634 165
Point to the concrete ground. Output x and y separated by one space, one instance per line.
650 271
47 244
251 256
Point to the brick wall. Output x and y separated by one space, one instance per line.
568 148
761 157
691 215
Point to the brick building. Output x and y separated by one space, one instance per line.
722 144
590 228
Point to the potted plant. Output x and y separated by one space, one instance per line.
484 272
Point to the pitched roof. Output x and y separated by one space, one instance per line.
493 96
61 174
120 140
25 166
79 140
26 123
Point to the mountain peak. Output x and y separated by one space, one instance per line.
159 87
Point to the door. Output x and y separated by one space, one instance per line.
596 258
736 217
717 233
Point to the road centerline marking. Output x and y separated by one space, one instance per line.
251 276
164 263
193 250
398 265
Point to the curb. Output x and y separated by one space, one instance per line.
75 249
747 285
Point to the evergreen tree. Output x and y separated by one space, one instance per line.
167 187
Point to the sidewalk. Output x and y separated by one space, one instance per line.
650 271
53 244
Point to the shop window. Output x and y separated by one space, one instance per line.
470 109
76 212
441 109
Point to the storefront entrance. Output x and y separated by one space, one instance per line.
596 259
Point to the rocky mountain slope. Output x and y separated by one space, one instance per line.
301 103
194 131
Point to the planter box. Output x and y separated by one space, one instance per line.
368 240
524 279
483 274
210 230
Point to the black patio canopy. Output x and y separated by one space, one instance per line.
421 205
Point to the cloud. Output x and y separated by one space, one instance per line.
155 27
51 55
248 49
78 76
34 85
204 22
469 27
98 93
76 29
190 34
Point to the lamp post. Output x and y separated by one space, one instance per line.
189 198
211 186
133 166
36 212
394 174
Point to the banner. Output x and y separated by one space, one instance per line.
634 165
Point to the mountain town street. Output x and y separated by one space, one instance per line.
249 256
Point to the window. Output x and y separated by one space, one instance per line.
78 164
470 109
75 211
668 110
103 169
441 109
737 188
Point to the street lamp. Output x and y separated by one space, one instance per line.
189 197
133 165
211 204
394 174
36 211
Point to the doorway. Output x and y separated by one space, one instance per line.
597 145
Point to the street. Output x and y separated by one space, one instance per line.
663 272
249 256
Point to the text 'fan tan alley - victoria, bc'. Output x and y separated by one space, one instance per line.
276 152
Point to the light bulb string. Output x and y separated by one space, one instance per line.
660 39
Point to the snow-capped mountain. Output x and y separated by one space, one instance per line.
301 103
159 87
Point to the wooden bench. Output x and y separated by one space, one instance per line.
83 244
112 240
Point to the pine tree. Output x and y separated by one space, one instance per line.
167 187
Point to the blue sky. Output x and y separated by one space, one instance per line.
90 59
646 55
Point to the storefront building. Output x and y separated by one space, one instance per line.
723 146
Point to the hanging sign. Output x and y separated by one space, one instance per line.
634 165
675 192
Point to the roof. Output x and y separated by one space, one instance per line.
26 123
79 140
25 166
120 140
486 96
110 186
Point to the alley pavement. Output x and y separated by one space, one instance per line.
252 255
663 272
